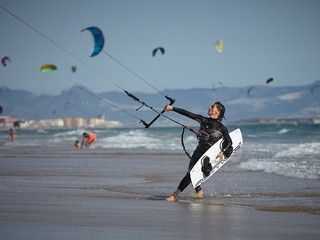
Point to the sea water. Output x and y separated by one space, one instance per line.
285 150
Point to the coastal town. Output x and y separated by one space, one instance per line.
101 121
77 122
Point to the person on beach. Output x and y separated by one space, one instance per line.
77 144
211 130
12 135
87 139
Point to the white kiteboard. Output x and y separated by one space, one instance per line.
209 157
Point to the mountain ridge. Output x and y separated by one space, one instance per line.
240 102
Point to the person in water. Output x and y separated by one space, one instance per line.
88 139
211 130
12 135
77 144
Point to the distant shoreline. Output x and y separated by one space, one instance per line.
243 122
276 120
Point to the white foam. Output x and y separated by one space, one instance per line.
41 131
77 132
295 150
283 131
304 170
139 139
291 160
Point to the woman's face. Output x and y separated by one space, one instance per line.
213 112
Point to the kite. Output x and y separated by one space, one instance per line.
98 40
219 46
5 60
48 67
214 86
161 49
269 80
74 69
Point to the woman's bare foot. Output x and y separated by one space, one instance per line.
198 195
171 199
174 196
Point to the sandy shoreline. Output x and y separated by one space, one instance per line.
51 194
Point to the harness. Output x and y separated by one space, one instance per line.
200 135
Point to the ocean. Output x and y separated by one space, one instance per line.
286 150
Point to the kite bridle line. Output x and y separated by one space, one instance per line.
171 100
105 101
147 125
134 73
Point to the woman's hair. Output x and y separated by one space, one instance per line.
221 109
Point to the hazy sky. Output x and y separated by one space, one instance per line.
262 38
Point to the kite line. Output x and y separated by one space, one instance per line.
147 125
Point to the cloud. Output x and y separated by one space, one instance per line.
290 96
256 104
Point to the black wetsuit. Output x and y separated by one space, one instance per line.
212 131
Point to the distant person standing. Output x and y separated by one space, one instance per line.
12 135
88 139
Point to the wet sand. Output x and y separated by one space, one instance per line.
52 193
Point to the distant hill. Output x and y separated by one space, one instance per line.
240 102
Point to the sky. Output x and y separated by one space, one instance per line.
262 39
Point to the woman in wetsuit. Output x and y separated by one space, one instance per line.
211 130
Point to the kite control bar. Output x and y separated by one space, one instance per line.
147 125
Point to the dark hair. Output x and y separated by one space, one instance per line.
84 134
221 109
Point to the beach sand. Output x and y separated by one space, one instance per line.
55 193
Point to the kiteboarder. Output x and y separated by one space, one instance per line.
88 139
211 130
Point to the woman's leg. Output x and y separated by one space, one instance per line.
194 159
186 180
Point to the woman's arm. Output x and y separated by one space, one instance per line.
227 143
197 117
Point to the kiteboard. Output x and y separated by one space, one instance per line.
207 165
